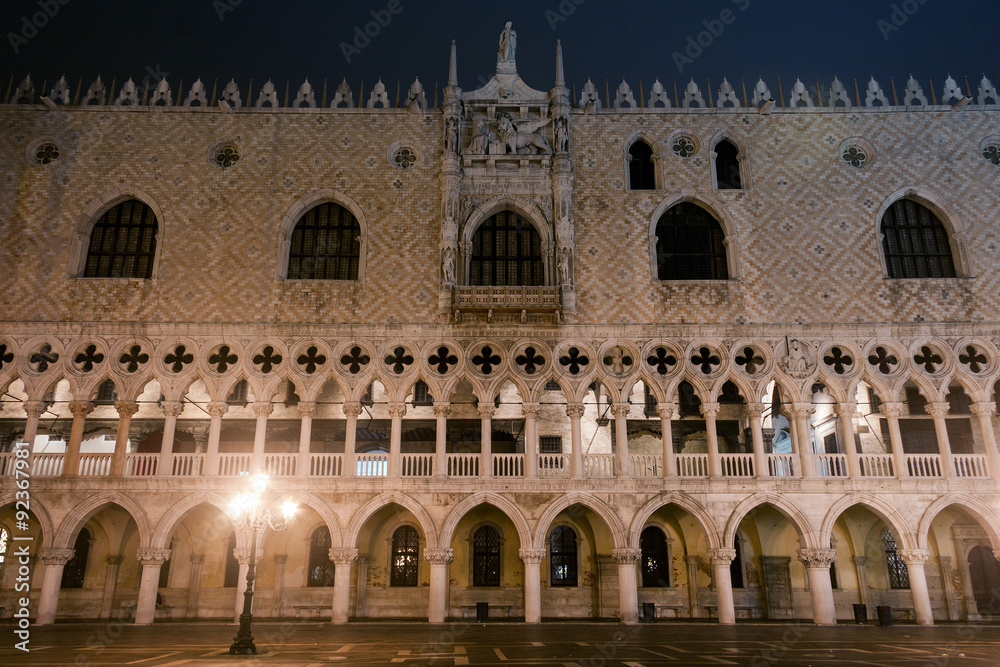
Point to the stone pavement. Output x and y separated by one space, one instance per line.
563 644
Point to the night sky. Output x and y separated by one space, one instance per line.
606 41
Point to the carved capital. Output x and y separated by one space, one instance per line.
81 408
441 408
722 556
262 408
914 556
126 408
530 409
396 410
197 559
665 410
439 556
487 411
306 408
620 410
802 410
756 410
172 408
280 559
153 556
892 410
817 558
35 408
984 409
847 407
115 559
352 408
532 555
937 409
710 410
217 408
342 556
575 410
56 556
242 555
626 556
860 561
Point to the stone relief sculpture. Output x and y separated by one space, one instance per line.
451 135
508 43
523 135
564 278
795 362
482 136
448 267
561 130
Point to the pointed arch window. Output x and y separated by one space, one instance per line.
727 166
915 242
76 567
690 245
321 568
106 393
232 572
655 558
562 557
405 548
899 576
123 242
486 556
325 245
506 252
641 170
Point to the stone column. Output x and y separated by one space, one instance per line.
530 412
71 462
694 596
278 590
669 461
307 409
533 584
623 462
396 411
55 560
441 409
628 587
151 560
171 411
35 410
845 411
351 411
125 411
215 410
938 410
915 560
817 562
262 409
438 594
710 411
194 585
803 436
342 559
486 441
755 412
110 585
721 560
891 412
864 595
575 412
985 411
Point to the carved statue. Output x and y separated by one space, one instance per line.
481 138
516 137
508 43
564 277
448 266
795 362
562 135
564 231
451 135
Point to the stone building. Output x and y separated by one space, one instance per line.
569 356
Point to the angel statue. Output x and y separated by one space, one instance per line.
522 135
508 43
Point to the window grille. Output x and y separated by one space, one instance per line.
899 576
550 444
106 394
405 545
641 171
123 242
562 557
506 252
486 557
422 394
655 558
321 568
689 245
915 242
650 403
238 396
325 245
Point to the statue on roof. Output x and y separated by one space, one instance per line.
508 43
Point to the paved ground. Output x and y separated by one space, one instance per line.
549 644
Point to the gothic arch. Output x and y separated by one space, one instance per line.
801 523
83 511
685 503
983 513
716 209
522 207
510 509
589 501
744 161
366 511
944 211
40 512
889 515
168 523
92 213
656 158
303 205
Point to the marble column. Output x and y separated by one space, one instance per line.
532 559
441 409
438 594
530 412
892 412
576 466
623 462
396 412
915 560
278 589
721 560
628 586
846 411
486 413
938 410
215 410
755 413
864 594
307 409
171 411
342 559
125 411
55 560
710 411
669 459
151 560
817 562
35 410
71 462
985 411
194 585
110 585
351 411
802 438
262 409
694 596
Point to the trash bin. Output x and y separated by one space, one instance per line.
884 616
482 611
861 614
648 612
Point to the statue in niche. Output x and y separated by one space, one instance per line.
508 43
481 138
564 277
795 362
522 135
451 135
562 135
564 230
448 267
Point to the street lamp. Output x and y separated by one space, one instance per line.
248 511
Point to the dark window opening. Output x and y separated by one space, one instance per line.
641 174
690 245
506 252
915 242
655 558
422 394
76 567
727 166
550 444
106 394
405 545
123 242
321 568
486 557
325 245
238 396
232 573
562 557
736 567
649 402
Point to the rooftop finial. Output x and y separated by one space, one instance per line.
560 74
453 66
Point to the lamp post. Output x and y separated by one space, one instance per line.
248 511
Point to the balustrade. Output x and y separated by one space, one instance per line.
187 465
923 465
418 465
140 465
780 465
646 465
463 465
553 465
970 465
233 465
599 465
94 465
508 465
692 465
46 465
280 465
373 464
326 465
737 465
876 465
832 465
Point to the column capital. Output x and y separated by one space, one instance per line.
56 556
666 410
441 408
817 558
126 408
846 407
263 408
626 556
575 410
722 556
35 408
937 409
396 410
439 556
530 409
756 410
306 408
984 408
532 555
172 408
802 410
352 408
859 560
217 408
153 556
892 410
343 556
710 409
81 408
242 555
487 411
115 559
620 410
914 556
197 559
281 559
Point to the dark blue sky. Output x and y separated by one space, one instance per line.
295 39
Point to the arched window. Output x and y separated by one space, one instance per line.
727 166
106 393
232 573
123 242
562 557
405 545
325 245
689 245
486 557
915 242
506 252
76 567
320 566
655 558
641 171
899 576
